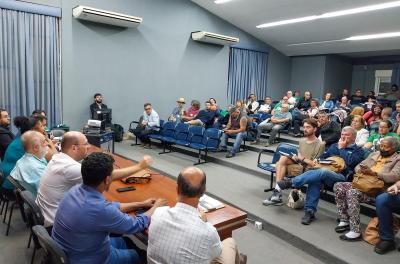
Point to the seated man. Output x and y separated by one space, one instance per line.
84 219
179 235
358 98
298 118
64 171
310 148
236 128
345 149
266 107
97 104
149 124
252 104
277 122
29 169
205 117
178 112
328 131
394 114
386 204
6 135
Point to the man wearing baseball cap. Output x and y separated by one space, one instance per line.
178 111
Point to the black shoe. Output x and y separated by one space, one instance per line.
285 184
384 246
230 155
222 150
341 229
308 218
349 239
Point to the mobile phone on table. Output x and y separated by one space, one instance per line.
126 189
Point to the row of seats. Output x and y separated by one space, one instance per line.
34 219
181 134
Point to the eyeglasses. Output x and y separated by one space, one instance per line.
147 109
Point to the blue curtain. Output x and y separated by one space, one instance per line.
30 64
247 74
396 74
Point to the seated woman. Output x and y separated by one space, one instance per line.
385 165
328 103
214 106
396 128
240 104
356 111
358 123
341 110
178 112
375 138
373 115
386 204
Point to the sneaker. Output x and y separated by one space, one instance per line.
256 142
384 246
285 184
342 228
230 155
274 199
308 217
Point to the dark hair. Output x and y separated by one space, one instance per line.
395 86
311 121
146 104
38 112
96 94
3 110
207 102
186 189
96 167
22 123
212 99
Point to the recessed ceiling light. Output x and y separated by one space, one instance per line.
221 1
352 38
375 36
345 12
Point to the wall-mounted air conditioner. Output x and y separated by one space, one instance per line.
213 38
105 17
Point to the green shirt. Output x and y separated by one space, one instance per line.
375 138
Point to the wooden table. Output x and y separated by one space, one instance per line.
225 219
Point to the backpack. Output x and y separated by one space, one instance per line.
118 133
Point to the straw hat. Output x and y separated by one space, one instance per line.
181 100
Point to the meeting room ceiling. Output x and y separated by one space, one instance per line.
247 14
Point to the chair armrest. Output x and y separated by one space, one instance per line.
132 123
264 151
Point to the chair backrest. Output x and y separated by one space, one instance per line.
15 183
284 147
168 129
17 191
196 134
54 253
181 131
36 216
162 122
212 138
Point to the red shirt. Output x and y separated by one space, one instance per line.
192 111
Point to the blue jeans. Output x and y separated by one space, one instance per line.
315 179
238 141
387 204
120 252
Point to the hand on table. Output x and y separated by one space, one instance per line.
149 202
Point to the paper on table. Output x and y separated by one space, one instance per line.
208 203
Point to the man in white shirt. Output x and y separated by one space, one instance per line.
291 99
64 171
252 104
149 124
181 234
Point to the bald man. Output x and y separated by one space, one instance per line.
29 169
64 172
181 234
